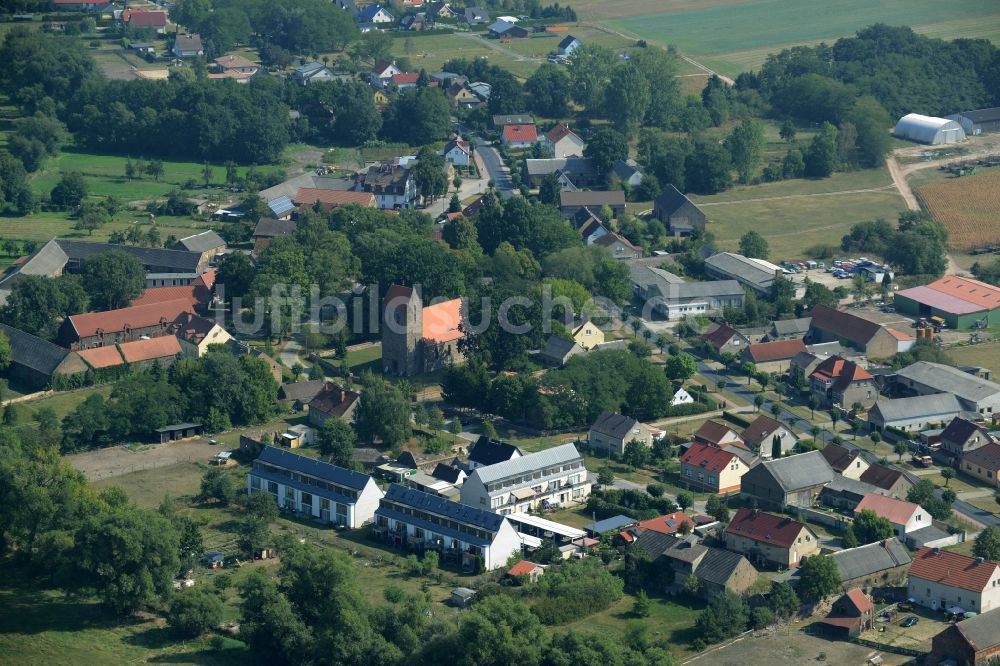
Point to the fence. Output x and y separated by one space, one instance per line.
896 649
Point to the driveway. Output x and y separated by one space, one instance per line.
495 167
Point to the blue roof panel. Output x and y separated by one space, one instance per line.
462 513
321 470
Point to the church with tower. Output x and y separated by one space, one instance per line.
418 339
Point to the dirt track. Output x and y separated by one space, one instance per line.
118 461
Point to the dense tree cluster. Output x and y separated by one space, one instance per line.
916 246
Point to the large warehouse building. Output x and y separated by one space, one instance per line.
925 129
979 121
959 301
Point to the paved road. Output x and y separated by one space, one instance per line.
491 160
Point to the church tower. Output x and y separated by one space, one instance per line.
402 327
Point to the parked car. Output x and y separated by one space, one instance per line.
909 622
888 309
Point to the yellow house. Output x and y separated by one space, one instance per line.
381 99
587 335
196 334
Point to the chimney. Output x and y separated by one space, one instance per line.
340 394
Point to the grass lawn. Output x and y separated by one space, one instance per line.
47 627
65 402
148 487
367 358
985 355
706 30
988 504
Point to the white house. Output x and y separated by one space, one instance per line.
569 45
549 478
374 14
905 516
311 72
410 518
940 579
318 489
457 152
393 186
381 75
681 397
561 141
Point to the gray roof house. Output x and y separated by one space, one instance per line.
206 241
300 393
488 451
579 170
718 569
673 298
677 213
558 350
758 274
312 72
568 45
975 394
627 172
474 15
34 361
188 46
881 563
789 329
792 481
845 493
915 413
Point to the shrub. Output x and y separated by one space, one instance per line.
194 611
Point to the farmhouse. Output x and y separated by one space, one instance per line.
673 298
725 339
35 361
717 569
761 435
962 436
927 129
300 394
561 141
983 463
905 516
711 469
188 46
318 489
845 493
916 413
767 539
503 29
619 246
941 579
975 641
568 45
789 329
580 171
844 461
332 402
850 615
882 563
980 121
718 434
393 186
678 213
96 329
888 481
961 302
792 481
757 274
519 136
196 334
268 229
773 356
867 337
836 381
549 478
558 350
975 394
461 533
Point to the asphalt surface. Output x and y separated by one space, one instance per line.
491 160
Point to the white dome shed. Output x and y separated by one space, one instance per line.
927 129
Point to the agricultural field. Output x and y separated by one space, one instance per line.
983 355
800 214
968 207
705 30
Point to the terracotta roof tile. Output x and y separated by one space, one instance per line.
307 196
441 322
894 510
147 350
140 316
779 350
522 568
520 133
765 527
710 458
860 601
952 569
101 357
667 524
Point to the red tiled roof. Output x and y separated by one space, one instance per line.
307 196
860 601
101 357
952 569
841 371
441 322
522 568
560 132
708 457
405 77
135 17
779 350
206 279
713 432
147 350
894 510
520 133
667 524
719 335
973 291
765 527
194 294
89 323
899 335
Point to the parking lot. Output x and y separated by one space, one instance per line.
917 637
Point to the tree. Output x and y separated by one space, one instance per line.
217 485
4 351
429 174
642 605
549 189
253 534
550 90
753 245
947 473
784 602
685 500
155 169
636 453
38 304
707 170
336 438
418 116
93 217
987 544
113 279
758 401
746 148
130 170
726 616
194 611
128 555
869 527
813 403
818 577
605 477
70 191
900 448
787 131
627 98
821 157
383 412
606 147
681 367
235 275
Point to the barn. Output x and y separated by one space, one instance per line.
961 302
926 129
979 121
